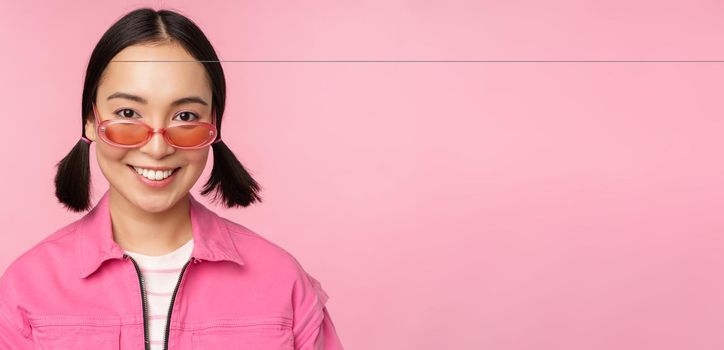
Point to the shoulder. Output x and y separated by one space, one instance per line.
43 255
308 296
256 249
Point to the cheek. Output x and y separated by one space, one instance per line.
110 161
109 155
196 159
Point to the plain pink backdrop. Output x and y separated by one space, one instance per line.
506 205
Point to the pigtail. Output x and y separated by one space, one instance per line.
230 180
72 179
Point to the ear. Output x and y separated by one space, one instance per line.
90 129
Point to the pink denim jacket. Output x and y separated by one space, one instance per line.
76 289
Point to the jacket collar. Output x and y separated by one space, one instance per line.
95 244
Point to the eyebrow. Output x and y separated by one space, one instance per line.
139 99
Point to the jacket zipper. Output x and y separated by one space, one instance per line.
170 306
147 343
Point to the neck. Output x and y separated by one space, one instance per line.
149 233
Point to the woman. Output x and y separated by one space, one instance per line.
149 267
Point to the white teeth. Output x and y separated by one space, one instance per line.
153 174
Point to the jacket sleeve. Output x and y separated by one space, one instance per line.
14 327
313 327
326 337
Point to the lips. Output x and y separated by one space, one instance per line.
154 183
173 170
152 167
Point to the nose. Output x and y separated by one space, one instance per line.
157 147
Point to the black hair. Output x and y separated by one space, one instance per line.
228 179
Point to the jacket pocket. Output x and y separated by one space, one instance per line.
270 333
77 337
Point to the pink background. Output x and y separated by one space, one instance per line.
442 205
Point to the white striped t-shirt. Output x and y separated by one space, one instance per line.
160 274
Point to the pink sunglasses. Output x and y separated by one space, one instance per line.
131 133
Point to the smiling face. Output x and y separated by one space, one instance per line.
159 84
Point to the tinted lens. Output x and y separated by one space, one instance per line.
126 133
189 135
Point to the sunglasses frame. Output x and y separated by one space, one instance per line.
101 130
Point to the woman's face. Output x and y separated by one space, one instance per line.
159 84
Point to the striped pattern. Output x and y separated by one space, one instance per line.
160 274
177 270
